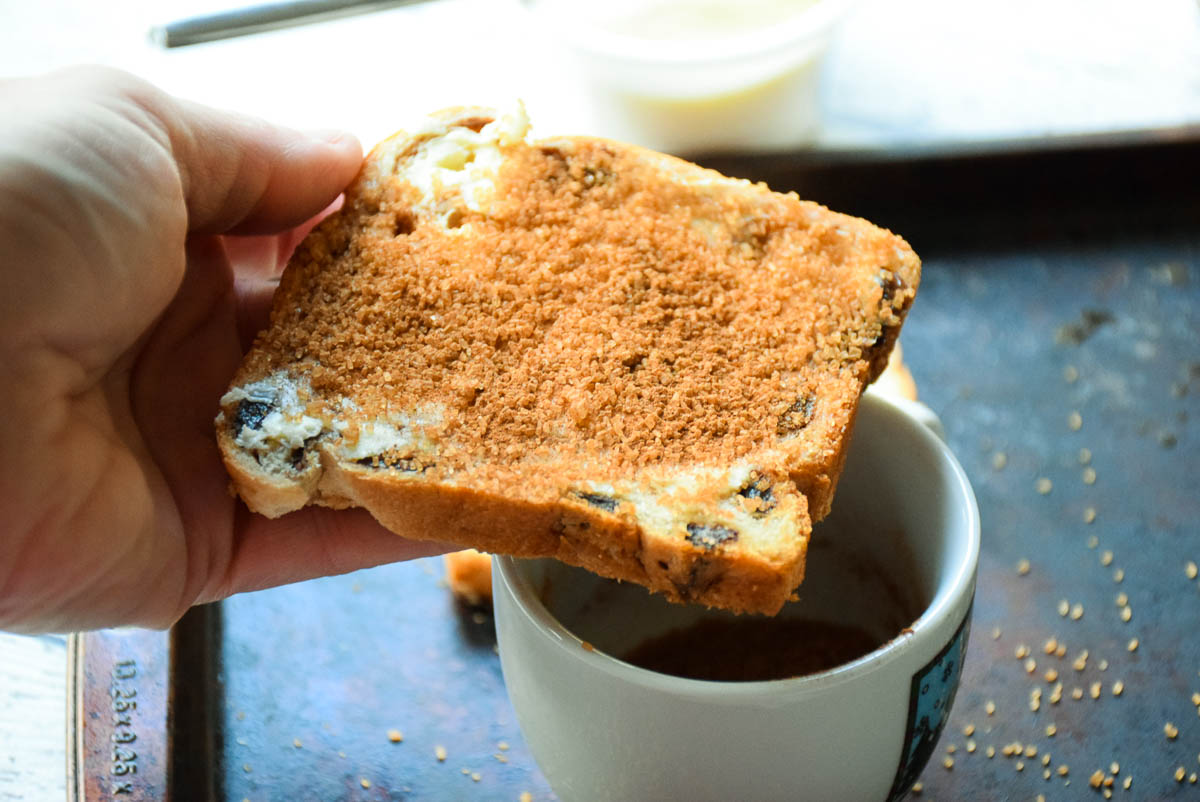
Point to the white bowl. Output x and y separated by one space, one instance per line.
749 85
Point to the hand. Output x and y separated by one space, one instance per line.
140 238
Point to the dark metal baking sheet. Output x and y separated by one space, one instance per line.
311 679
1056 284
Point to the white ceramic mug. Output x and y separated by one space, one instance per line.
898 552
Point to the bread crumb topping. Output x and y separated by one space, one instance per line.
603 317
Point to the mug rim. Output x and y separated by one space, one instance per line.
961 583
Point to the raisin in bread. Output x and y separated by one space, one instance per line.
571 348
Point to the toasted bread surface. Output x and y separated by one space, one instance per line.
571 348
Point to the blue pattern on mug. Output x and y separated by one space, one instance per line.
930 697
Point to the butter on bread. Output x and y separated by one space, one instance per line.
571 348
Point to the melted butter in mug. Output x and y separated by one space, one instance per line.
747 650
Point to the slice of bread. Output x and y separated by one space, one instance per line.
571 348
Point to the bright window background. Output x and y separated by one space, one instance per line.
924 71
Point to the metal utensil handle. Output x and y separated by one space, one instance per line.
265 17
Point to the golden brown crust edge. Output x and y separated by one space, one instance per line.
604 544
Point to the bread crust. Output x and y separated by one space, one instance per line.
647 282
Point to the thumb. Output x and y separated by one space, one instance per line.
245 176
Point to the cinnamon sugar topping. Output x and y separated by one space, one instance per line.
592 309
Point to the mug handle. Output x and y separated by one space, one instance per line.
914 409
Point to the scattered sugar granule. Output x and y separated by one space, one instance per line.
440 753
1075 421
395 736
1118 688
1023 566
1191 570
1044 486
1171 730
